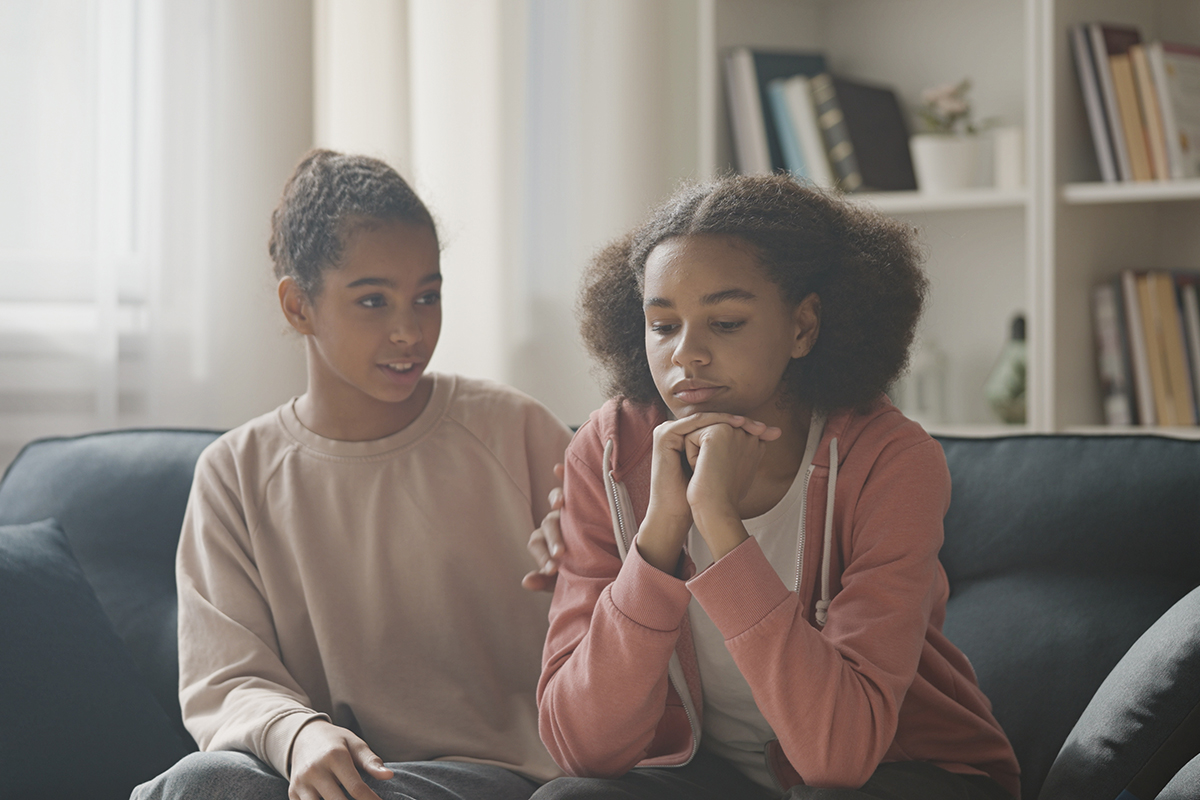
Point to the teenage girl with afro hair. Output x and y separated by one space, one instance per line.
749 600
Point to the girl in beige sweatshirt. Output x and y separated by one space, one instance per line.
351 621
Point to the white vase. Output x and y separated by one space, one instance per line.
945 162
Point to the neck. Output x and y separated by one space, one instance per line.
336 411
783 456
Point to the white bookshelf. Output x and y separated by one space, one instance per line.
1036 250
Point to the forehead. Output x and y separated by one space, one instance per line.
394 249
702 261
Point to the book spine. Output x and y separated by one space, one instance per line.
804 121
1191 325
746 114
1093 102
837 137
1149 103
1137 349
1108 92
1158 68
1174 351
1131 116
1114 388
1164 404
789 139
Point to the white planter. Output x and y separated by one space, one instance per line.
944 162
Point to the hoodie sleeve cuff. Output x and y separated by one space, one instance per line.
739 590
649 596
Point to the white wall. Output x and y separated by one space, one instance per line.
238 118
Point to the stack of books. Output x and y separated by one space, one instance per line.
1142 101
1147 326
790 113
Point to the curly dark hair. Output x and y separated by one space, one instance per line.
328 197
866 269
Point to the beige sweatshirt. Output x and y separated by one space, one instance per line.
374 583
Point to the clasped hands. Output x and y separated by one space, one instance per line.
721 453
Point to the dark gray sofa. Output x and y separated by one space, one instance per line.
1062 552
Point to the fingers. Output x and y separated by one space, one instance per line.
546 546
705 419
538 581
368 762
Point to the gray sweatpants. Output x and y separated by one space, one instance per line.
227 775
711 778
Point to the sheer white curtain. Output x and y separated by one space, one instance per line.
146 141
536 130
144 144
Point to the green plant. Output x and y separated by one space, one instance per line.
946 108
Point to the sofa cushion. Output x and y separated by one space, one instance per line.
78 720
119 497
1186 783
1061 551
1143 724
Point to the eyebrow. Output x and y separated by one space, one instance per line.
431 278
707 300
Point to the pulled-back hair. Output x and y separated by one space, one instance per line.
866 269
329 196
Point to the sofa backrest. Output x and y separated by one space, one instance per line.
1061 550
120 498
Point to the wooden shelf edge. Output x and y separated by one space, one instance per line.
1179 432
1131 192
918 202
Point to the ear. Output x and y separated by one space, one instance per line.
296 305
807 317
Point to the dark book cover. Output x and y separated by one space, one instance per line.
878 133
770 65
837 135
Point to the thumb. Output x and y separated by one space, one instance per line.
370 763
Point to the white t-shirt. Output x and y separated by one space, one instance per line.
734 728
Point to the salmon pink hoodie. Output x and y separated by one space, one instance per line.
850 671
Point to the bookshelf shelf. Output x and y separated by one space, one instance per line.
919 202
1039 250
1191 432
1144 192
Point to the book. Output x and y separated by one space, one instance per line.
1156 142
1164 406
878 133
748 75
1138 356
789 139
837 136
1175 352
792 102
1093 101
1107 40
1176 70
1116 388
1190 310
1131 116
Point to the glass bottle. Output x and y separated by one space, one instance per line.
1005 386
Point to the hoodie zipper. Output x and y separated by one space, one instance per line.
684 693
803 527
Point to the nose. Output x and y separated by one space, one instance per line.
405 329
690 348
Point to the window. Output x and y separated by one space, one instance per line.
76 204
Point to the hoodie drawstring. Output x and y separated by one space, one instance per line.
823 603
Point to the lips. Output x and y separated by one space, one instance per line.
693 391
402 371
